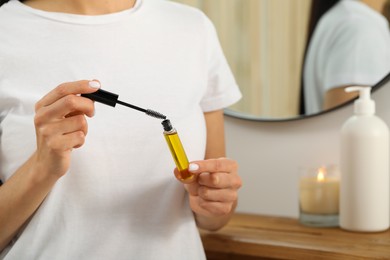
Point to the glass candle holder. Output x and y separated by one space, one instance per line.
319 196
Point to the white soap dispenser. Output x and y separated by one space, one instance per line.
364 163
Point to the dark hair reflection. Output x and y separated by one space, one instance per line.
318 9
3 2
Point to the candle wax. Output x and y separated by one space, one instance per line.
319 197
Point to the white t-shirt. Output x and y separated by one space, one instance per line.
120 199
350 46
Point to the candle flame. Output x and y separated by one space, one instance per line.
321 174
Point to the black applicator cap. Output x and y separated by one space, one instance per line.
103 96
167 125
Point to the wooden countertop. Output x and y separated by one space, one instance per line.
265 237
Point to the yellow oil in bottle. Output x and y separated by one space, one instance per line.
178 153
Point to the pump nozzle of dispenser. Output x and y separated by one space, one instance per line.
111 99
364 105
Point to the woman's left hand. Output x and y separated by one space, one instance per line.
214 192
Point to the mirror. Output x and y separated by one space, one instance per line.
265 42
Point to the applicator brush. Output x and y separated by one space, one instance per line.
111 99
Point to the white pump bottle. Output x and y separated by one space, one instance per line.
364 163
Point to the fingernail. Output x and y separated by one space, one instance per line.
94 84
193 167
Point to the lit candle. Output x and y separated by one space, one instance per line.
319 194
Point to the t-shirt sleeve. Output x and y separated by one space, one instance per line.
222 89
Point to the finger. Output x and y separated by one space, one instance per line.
66 106
220 180
74 124
213 165
218 195
192 188
66 142
68 88
215 208
75 139
65 126
75 113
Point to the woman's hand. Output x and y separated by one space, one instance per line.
60 124
213 195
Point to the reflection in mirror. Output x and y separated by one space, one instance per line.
265 42
349 44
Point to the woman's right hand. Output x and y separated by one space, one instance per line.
60 124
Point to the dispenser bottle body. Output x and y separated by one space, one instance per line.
364 191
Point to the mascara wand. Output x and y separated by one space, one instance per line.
111 99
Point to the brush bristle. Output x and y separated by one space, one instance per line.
155 114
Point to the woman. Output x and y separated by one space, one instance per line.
349 44
77 187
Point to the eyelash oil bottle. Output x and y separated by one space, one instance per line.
178 153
